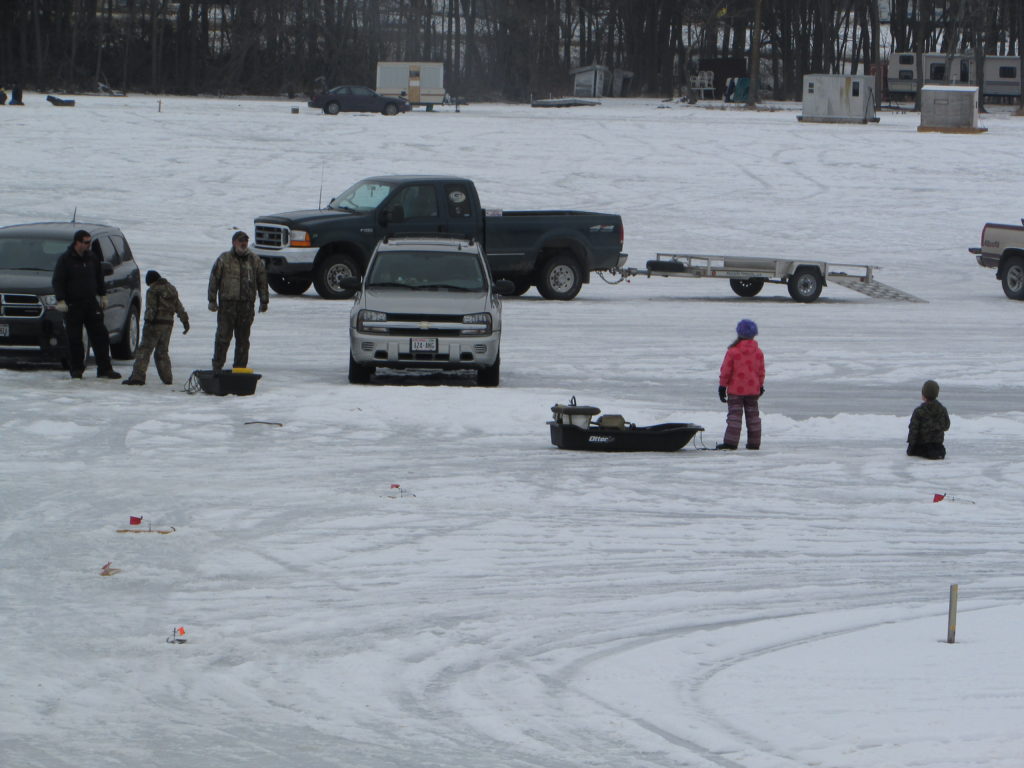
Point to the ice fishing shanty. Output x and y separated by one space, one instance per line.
838 99
950 109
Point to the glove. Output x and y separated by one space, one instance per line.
264 306
61 306
213 306
185 330
102 301
761 392
721 395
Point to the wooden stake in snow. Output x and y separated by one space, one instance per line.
951 624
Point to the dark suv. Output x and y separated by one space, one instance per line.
31 328
358 98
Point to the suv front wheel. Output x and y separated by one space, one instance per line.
488 377
129 343
358 373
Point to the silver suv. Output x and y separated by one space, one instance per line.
426 302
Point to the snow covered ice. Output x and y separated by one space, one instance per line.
523 606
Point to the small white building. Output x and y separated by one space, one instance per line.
421 82
950 109
838 99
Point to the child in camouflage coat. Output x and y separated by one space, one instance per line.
162 304
928 424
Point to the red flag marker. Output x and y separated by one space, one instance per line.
132 520
938 497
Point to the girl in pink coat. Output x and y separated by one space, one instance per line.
740 384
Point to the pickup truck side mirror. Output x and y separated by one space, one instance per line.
504 287
351 283
107 267
393 215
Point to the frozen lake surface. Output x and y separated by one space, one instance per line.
517 606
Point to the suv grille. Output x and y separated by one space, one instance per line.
271 236
20 305
399 324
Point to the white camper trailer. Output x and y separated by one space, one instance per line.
838 99
420 82
950 109
1001 73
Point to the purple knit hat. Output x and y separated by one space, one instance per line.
746 329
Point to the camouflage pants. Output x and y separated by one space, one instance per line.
234 318
156 340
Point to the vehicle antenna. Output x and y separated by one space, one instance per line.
320 201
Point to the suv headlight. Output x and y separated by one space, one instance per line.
482 319
370 316
49 300
298 238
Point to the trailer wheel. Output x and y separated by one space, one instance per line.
561 277
328 274
1013 278
805 284
746 288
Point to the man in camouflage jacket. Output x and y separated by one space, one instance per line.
928 425
162 304
237 278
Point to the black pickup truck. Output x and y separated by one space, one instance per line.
553 250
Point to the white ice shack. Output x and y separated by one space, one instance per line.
421 82
950 109
838 99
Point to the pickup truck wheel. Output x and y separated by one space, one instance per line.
805 284
327 278
560 278
522 285
1013 278
390 109
332 108
289 286
358 373
129 343
746 288
488 377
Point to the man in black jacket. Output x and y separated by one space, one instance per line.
82 296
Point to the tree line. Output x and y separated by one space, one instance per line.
492 49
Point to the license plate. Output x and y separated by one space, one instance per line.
5 330
424 345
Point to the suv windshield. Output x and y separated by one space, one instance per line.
455 271
30 253
364 196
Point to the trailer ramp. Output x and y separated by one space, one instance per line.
874 288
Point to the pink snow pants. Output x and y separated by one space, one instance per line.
740 405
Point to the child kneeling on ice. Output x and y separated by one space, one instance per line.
927 425
742 377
